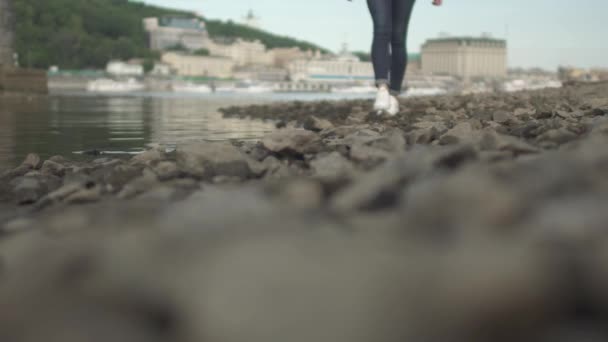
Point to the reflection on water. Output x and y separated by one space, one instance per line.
63 124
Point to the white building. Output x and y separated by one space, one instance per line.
344 67
243 52
168 32
120 68
465 57
206 66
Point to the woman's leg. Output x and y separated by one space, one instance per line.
383 29
402 11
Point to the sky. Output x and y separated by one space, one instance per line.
540 33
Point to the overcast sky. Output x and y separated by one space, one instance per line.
544 33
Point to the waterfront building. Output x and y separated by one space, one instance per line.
344 67
465 57
6 34
168 32
205 66
283 56
242 52
120 68
261 73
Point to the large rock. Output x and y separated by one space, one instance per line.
33 161
425 132
500 142
462 133
53 168
292 141
29 189
316 124
332 166
207 160
148 157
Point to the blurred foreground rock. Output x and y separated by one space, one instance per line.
477 218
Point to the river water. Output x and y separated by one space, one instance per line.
68 124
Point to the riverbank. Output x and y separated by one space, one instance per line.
475 218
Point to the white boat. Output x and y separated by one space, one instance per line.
253 88
106 85
425 91
355 90
191 88
225 89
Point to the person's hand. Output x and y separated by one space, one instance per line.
437 2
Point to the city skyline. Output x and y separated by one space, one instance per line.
570 31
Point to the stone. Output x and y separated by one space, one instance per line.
332 166
292 141
459 134
301 194
85 195
166 170
380 188
426 132
500 142
275 169
116 177
17 225
459 195
315 124
138 186
28 190
33 161
503 117
58 159
53 168
210 159
558 136
369 157
148 157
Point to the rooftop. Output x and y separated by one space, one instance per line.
468 39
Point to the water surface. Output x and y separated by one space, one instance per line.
69 123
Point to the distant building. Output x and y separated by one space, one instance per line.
344 67
261 73
120 68
283 56
568 74
167 32
7 55
207 66
250 20
161 69
465 57
243 52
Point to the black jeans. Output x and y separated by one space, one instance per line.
389 50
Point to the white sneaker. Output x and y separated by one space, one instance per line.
393 109
383 100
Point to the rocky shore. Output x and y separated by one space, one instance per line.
464 218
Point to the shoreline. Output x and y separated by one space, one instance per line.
455 217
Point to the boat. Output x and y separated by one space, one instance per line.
106 85
191 88
425 91
253 88
355 90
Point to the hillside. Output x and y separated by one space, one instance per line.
75 34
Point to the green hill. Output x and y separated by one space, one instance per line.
77 34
